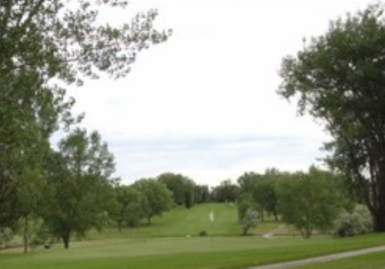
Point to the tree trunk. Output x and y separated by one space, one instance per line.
120 226
66 240
379 218
276 216
378 205
25 235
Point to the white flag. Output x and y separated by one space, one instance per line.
211 216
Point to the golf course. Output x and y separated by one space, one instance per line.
173 241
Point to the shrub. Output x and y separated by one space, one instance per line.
249 221
6 235
202 233
359 221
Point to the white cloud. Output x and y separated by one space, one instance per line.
213 81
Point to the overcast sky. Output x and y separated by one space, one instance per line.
204 103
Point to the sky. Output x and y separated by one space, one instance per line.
204 103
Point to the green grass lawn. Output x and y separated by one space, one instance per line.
368 261
194 252
181 222
165 245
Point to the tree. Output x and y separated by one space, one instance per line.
30 186
262 188
338 78
6 235
244 203
46 40
225 192
250 220
182 188
310 201
247 180
156 197
128 209
81 185
65 39
202 194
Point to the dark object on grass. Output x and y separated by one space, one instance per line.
202 233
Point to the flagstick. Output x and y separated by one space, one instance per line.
211 219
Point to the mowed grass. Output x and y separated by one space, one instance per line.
184 222
195 252
374 260
165 245
181 222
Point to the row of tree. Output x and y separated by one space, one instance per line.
308 201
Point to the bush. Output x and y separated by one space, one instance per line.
6 235
202 233
357 222
250 220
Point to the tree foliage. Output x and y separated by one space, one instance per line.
128 210
225 192
182 188
80 185
338 78
42 42
156 197
262 189
310 201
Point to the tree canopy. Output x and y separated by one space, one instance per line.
80 185
156 197
338 78
310 201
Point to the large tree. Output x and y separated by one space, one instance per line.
81 185
43 41
339 79
128 208
156 198
182 188
226 191
262 189
310 201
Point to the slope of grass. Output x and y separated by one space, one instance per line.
188 222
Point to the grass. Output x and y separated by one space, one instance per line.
181 222
165 245
374 260
195 252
